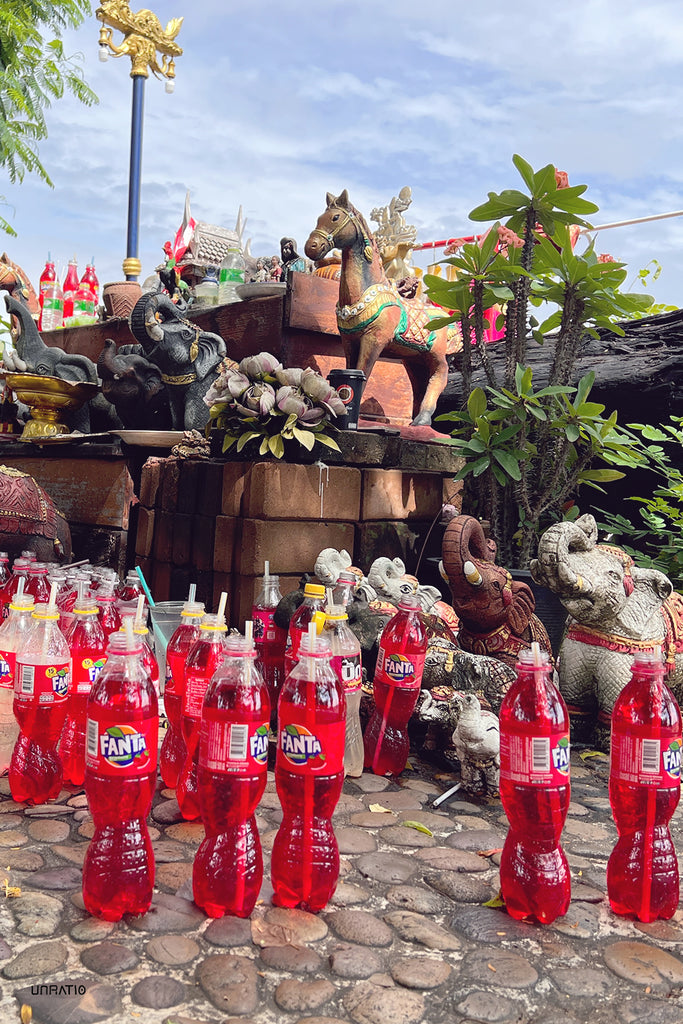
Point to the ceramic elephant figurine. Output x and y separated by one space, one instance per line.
134 387
390 582
615 609
32 355
496 612
187 357
30 520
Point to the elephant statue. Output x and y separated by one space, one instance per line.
30 520
186 356
134 387
615 609
32 355
496 612
390 582
331 563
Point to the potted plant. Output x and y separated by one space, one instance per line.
258 400
528 450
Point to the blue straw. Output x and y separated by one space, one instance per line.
145 587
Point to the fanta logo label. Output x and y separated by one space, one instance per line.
398 667
258 744
60 682
672 759
561 756
299 745
5 670
120 745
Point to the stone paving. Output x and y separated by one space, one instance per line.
405 939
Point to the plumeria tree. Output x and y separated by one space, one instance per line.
259 400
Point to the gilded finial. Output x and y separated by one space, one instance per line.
143 39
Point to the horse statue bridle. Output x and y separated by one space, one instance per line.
330 236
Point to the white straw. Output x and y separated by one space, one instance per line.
536 651
52 603
139 610
312 631
266 568
249 630
20 586
330 598
221 604
192 592
130 636
445 796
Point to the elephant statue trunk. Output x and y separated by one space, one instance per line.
553 568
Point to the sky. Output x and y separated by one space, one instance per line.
278 102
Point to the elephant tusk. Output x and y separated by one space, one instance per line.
472 574
442 572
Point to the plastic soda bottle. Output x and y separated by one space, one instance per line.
346 662
70 287
48 275
129 590
233 764
270 639
88 647
230 276
120 779
4 568
36 582
148 656
89 280
41 691
396 688
644 788
204 658
173 749
311 610
51 306
19 571
108 612
534 790
344 588
309 774
12 633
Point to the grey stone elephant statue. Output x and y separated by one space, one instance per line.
32 355
134 387
187 357
615 609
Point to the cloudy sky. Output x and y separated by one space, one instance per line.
278 102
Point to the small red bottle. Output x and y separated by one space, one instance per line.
89 280
108 612
534 790
233 764
396 688
270 639
644 789
70 287
87 644
173 749
312 610
204 658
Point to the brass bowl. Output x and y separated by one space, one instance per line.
47 397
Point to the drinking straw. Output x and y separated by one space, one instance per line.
330 599
139 621
130 636
20 586
249 630
52 602
266 568
221 605
445 796
309 781
146 589
249 637
191 593
74 565
651 806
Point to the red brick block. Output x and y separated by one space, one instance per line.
391 494
167 495
203 529
189 490
290 547
145 536
149 482
245 591
224 544
163 537
182 539
210 483
235 475
283 491
160 584
452 492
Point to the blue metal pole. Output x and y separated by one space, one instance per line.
135 173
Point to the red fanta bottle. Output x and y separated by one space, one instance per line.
644 789
534 790
312 610
108 611
120 779
396 688
233 764
173 749
204 658
12 633
41 691
270 638
309 774
87 644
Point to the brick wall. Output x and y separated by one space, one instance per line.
215 523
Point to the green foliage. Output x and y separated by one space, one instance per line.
35 71
527 452
657 538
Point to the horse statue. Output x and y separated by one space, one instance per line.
372 316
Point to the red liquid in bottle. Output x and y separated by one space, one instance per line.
269 638
41 692
120 779
396 688
173 749
110 619
233 764
309 774
535 792
204 658
87 644
312 610
644 789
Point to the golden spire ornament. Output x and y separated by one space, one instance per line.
143 39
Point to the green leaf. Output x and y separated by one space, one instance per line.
525 170
602 476
476 403
263 447
228 441
480 466
305 437
329 442
246 438
509 463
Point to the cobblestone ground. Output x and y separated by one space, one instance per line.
406 938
